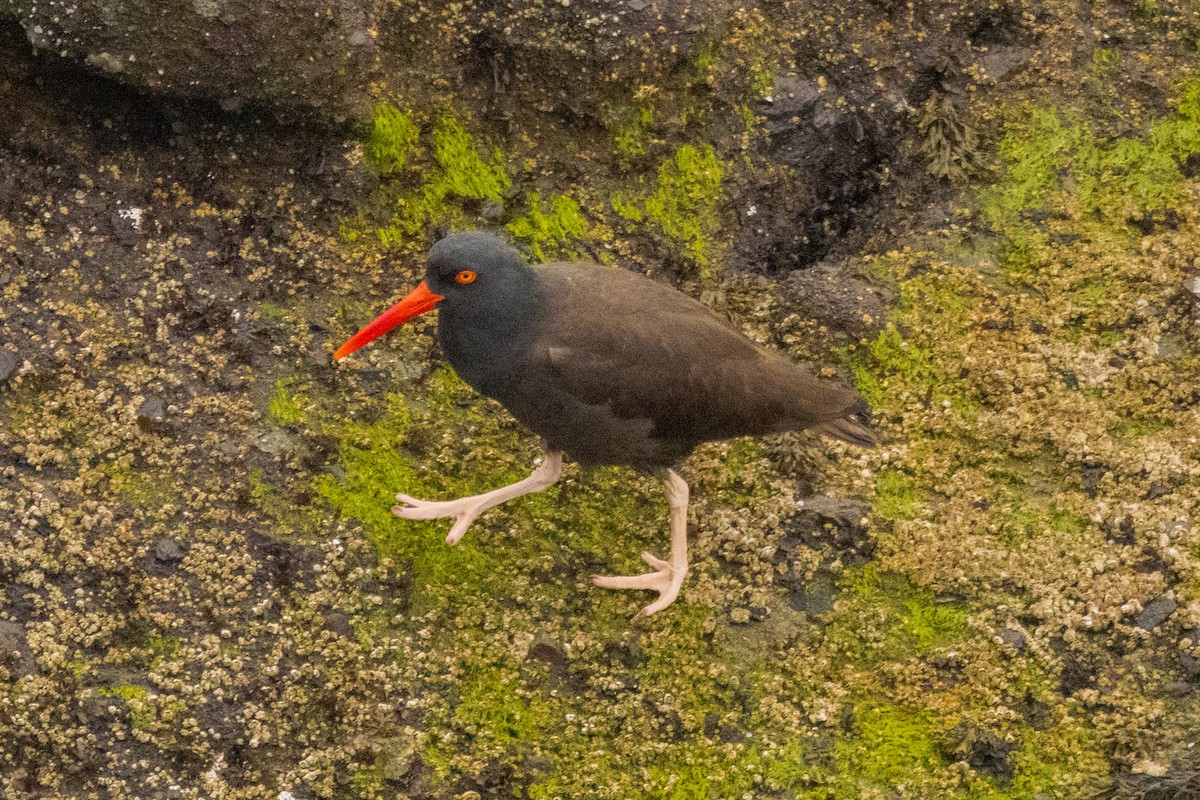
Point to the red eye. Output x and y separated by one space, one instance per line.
466 276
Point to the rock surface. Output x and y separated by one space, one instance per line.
312 58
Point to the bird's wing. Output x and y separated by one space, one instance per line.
648 352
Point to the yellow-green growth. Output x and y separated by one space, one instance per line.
1054 160
390 140
492 706
549 234
895 496
891 746
464 172
685 204
899 619
632 134
286 406
452 170
144 489
136 700
375 471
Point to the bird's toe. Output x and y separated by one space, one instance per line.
656 562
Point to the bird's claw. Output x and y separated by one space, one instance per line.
413 508
666 580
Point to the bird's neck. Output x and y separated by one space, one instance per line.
486 340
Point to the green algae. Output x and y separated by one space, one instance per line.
895 497
141 489
494 704
286 406
464 172
684 205
550 233
632 133
423 181
1057 159
391 139
891 746
908 620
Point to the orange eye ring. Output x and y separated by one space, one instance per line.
465 276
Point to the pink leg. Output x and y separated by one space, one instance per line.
668 575
466 509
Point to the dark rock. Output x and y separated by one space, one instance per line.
1156 490
832 526
986 752
815 597
1123 532
169 551
1155 613
14 649
1151 561
8 364
548 652
1190 666
493 212
1014 638
152 414
304 55
1077 674
834 155
1001 61
1091 472
339 622
847 304
731 734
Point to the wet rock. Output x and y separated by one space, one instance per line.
1190 666
14 649
1014 639
493 212
1155 612
789 220
815 597
548 652
152 415
1077 673
983 750
848 305
833 526
305 55
1091 472
339 622
8 364
1122 532
168 551
1002 61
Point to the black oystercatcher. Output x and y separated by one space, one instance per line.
608 367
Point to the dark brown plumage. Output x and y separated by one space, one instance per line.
624 370
608 367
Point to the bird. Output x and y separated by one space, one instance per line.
608 367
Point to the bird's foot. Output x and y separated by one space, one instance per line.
464 510
666 580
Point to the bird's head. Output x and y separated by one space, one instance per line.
464 269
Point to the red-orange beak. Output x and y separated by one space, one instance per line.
418 301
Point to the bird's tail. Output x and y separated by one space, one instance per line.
854 428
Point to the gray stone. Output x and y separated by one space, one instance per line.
303 55
8 364
152 414
1014 638
169 550
1155 613
14 648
